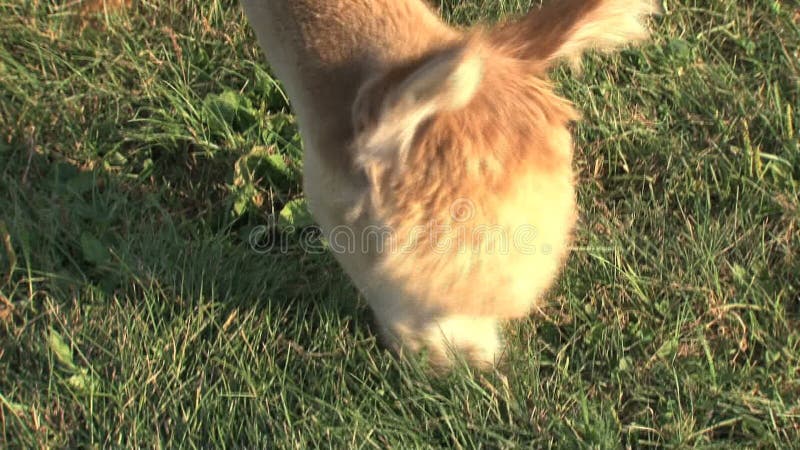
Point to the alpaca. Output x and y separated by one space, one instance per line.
438 161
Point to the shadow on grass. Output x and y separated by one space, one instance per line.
75 229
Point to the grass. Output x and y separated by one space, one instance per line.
147 155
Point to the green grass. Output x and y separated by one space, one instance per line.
135 312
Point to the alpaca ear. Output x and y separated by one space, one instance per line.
446 81
565 29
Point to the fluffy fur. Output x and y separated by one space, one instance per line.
438 161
